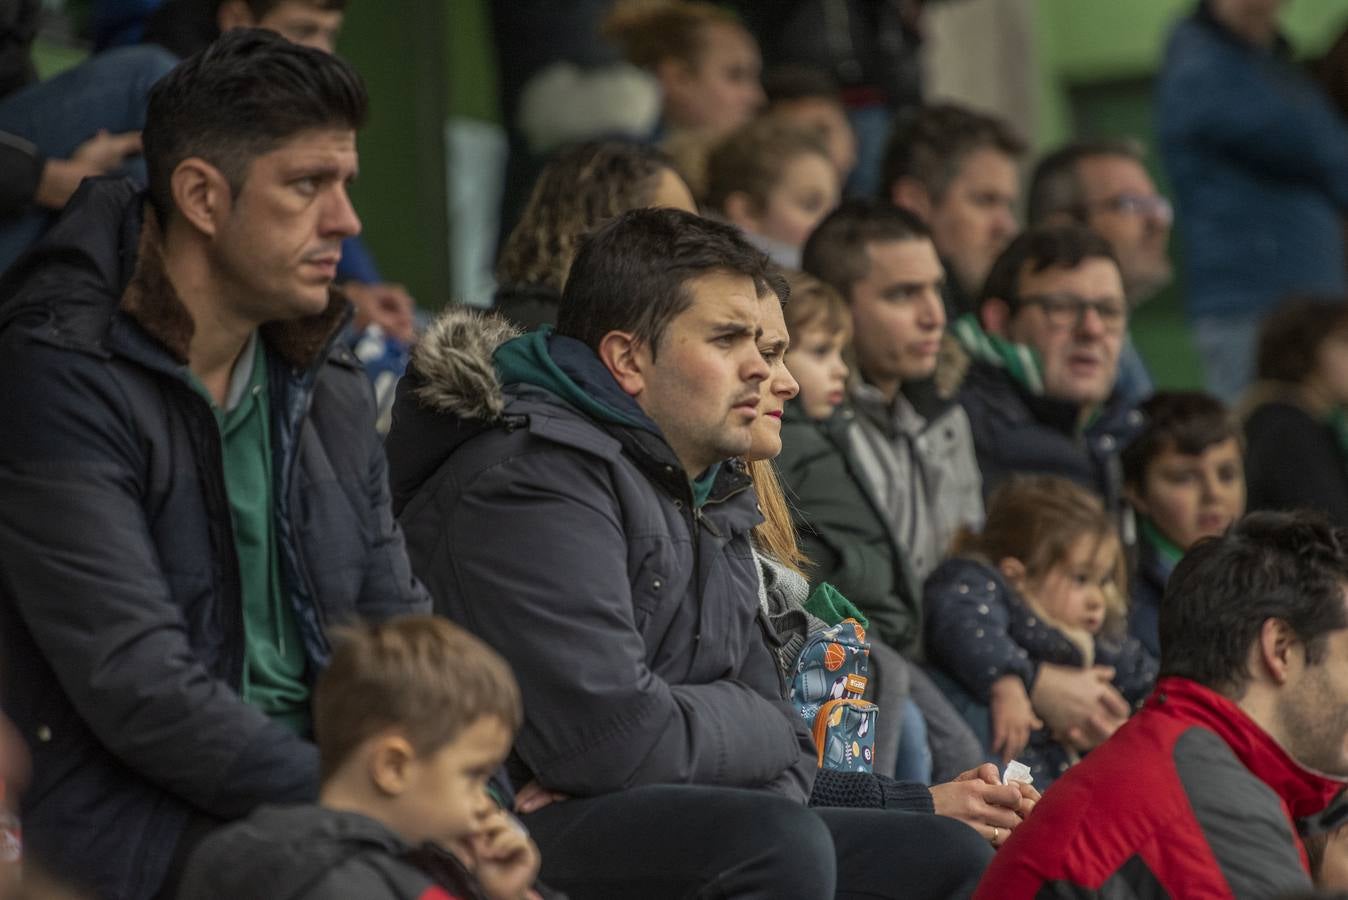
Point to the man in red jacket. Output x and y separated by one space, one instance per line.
1199 795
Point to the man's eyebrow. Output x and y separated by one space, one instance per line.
778 346
733 329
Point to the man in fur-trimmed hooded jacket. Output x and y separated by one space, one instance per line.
194 494
573 498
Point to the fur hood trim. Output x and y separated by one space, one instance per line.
151 300
454 362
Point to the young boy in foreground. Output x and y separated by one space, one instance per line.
412 717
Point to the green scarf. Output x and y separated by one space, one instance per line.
831 607
1022 363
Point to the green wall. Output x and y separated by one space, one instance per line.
400 47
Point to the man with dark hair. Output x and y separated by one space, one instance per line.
956 170
1244 740
194 490
575 499
1045 351
1103 184
186 27
913 443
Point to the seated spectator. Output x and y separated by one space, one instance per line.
411 718
579 190
1185 480
956 170
706 62
707 65
847 541
1045 353
1103 184
1201 792
194 489
573 497
807 97
1043 585
913 445
1296 415
55 133
775 182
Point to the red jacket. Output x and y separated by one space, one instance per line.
1189 799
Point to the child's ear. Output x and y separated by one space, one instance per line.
391 759
1013 570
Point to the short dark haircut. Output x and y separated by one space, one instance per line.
631 274
260 8
1187 422
421 675
1290 338
835 252
1055 186
241 97
793 81
1039 248
930 143
1270 565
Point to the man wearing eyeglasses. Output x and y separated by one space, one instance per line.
1104 185
1040 393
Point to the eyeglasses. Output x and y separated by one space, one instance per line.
1150 206
1069 310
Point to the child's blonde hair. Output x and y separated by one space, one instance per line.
422 675
1037 519
815 303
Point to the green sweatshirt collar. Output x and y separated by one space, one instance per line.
1168 550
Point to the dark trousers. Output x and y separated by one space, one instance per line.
674 841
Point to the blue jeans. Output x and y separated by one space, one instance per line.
109 91
871 125
914 758
1227 347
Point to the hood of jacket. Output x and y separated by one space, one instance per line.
289 850
103 260
473 371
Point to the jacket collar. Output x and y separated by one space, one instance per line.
1304 791
152 302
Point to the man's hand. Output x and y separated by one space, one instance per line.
504 859
1079 706
979 799
1012 716
387 305
105 151
97 156
533 797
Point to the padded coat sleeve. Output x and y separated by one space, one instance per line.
967 628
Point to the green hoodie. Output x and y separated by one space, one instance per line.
526 360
